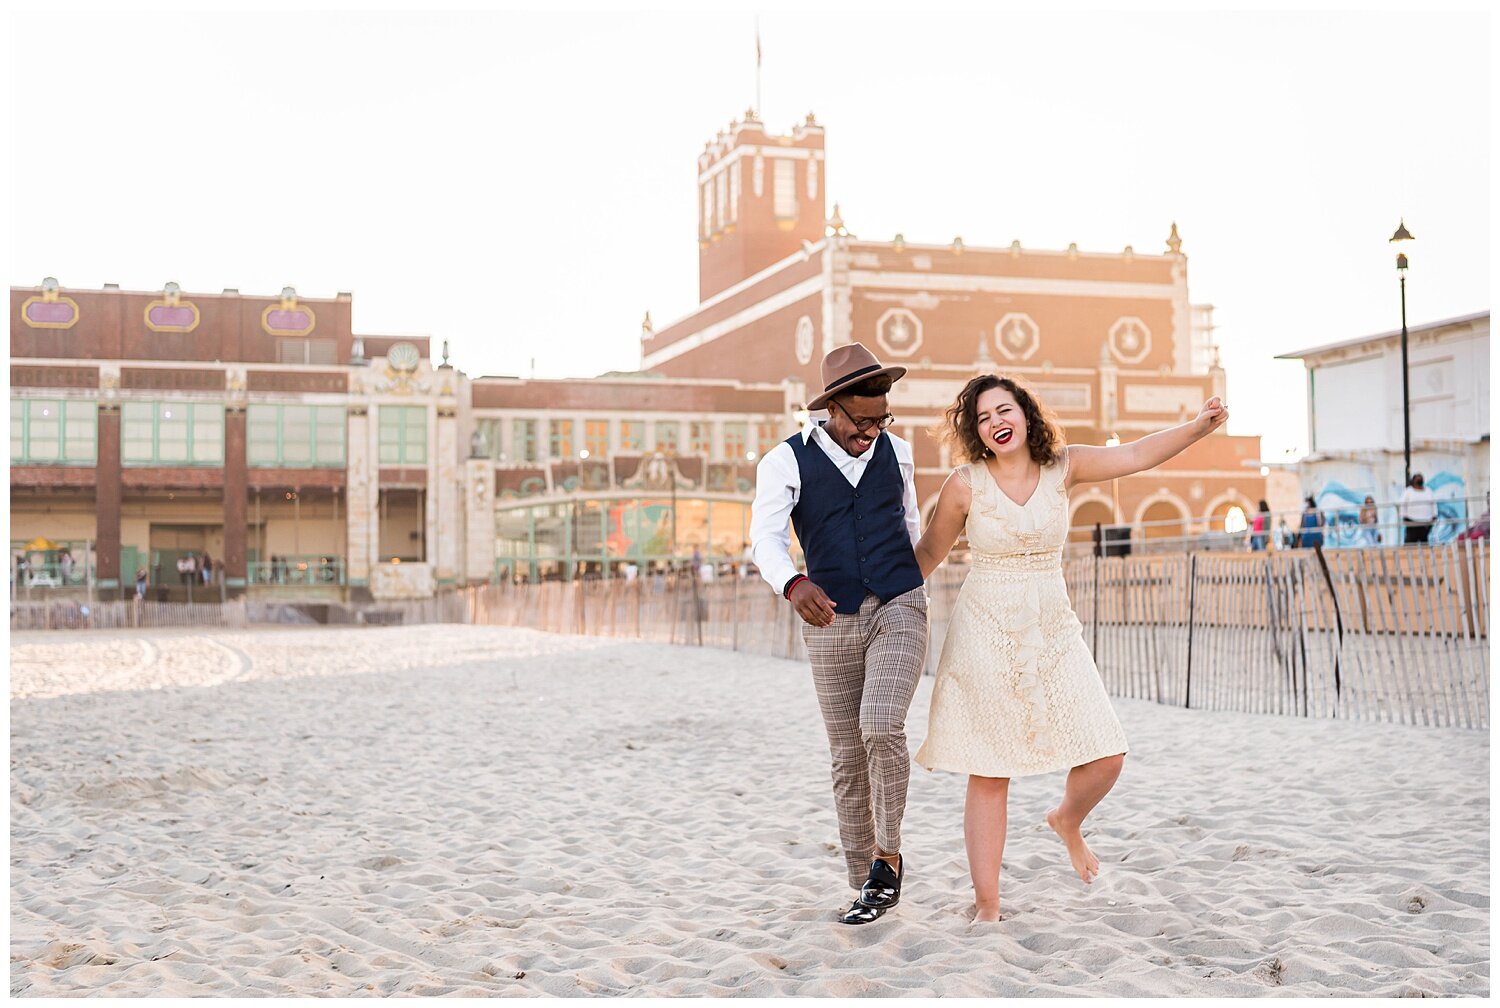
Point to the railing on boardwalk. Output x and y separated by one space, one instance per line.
1386 634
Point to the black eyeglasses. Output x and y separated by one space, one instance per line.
863 425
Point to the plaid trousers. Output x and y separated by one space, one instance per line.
865 668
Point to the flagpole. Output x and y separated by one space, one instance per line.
759 112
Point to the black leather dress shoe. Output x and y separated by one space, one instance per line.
861 914
882 890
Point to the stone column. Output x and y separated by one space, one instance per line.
479 520
362 519
444 474
236 498
107 498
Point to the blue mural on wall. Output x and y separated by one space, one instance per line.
1340 507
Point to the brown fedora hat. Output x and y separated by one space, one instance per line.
847 366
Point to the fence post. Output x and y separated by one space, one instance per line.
1095 613
1338 620
1187 692
734 610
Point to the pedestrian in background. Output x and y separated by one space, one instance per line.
1418 508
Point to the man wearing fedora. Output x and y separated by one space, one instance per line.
846 485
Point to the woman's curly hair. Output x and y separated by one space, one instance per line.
959 427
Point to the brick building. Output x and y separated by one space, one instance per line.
307 461
259 430
1110 341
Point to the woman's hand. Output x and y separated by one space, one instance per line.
1211 417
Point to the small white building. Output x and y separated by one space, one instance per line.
1354 418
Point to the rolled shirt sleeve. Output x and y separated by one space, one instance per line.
909 490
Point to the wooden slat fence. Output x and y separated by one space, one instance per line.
1394 634
1386 634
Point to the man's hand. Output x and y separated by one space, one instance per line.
811 604
1212 416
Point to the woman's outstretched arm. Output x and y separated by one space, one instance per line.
947 522
1093 464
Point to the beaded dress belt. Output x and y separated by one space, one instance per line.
1022 561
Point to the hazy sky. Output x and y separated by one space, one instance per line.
522 184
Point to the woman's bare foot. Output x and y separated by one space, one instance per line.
1084 862
985 911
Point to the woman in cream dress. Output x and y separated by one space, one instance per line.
1017 691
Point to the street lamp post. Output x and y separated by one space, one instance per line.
1114 485
1401 263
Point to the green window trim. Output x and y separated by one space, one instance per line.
54 432
700 438
403 435
668 436
168 433
295 436
632 436
524 441
560 439
736 440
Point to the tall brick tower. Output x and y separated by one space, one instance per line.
760 197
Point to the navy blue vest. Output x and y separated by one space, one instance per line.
854 538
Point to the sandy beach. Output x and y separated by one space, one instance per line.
490 811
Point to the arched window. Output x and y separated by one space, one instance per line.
1090 513
1164 519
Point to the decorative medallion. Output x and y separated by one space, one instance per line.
1129 340
171 313
1017 336
51 310
288 318
803 341
899 332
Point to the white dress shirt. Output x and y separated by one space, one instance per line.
778 486
1419 505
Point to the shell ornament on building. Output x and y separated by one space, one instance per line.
401 362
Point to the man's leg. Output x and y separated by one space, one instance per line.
836 653
895 652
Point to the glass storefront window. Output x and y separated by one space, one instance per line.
589 537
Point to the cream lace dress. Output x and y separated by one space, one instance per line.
1017 691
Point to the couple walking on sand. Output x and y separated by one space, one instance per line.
1017 692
